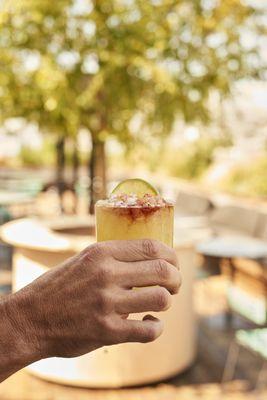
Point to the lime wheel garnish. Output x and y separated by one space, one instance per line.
136 186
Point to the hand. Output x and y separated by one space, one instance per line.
84 304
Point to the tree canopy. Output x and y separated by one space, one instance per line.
95 64
125 67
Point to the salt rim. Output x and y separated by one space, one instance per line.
132 200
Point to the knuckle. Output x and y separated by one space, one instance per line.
163 299
103 303
93 252
175 257
162 270
104 275
177 282
150 248
149 335
109 328
106 324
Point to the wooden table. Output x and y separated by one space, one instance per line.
231 246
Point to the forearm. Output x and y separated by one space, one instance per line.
16 350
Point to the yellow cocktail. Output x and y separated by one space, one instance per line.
127 216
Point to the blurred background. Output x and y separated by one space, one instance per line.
174 92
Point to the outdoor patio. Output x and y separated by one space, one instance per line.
171 96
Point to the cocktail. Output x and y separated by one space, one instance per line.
134 210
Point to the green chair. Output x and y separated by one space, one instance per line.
254 340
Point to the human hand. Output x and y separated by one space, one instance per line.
84 303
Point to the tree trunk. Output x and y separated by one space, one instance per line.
60 181
75 173
75 164
97 171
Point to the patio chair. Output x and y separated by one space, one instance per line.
237 232
235 220
192 204
247 288
236 252
254 340
261 229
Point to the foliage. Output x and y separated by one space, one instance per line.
126 68
43 156
71 64
248 180
192 160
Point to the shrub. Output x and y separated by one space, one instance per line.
248 180
192 160
31 157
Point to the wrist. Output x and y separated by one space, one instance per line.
22 335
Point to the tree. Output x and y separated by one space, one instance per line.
123 68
